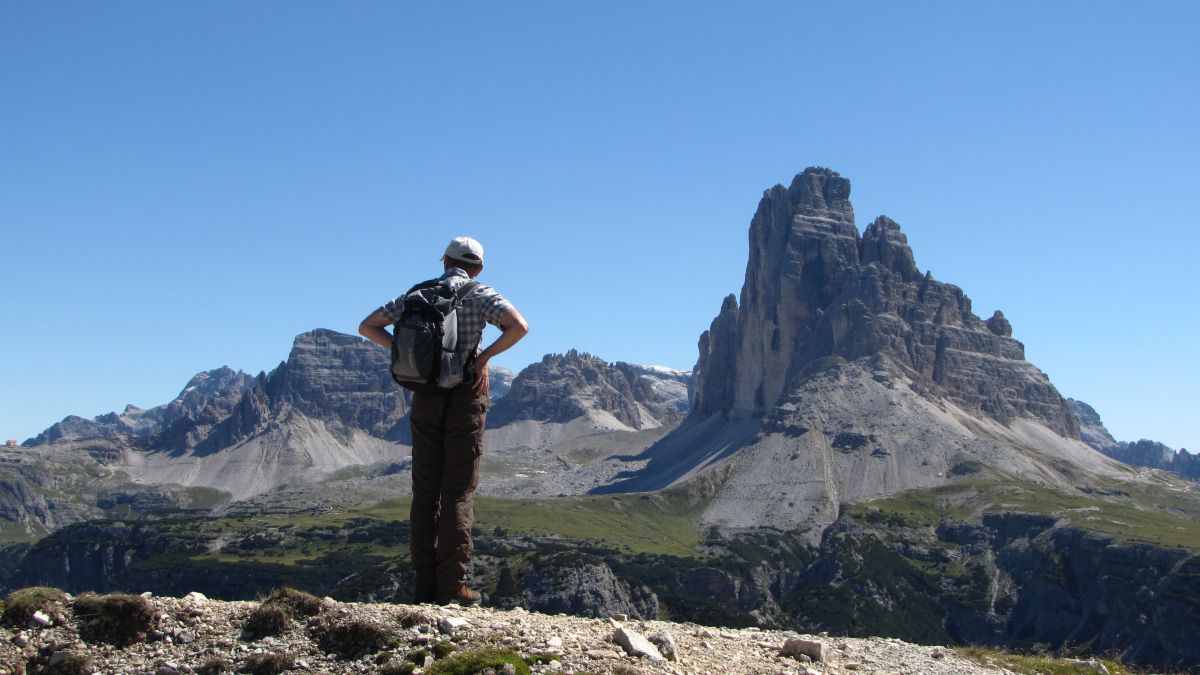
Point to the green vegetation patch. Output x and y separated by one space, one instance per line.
478 660
1130 512
637 523
1037 664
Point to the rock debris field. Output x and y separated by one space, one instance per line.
197 635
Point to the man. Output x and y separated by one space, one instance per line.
447 431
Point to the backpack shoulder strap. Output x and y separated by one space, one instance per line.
465 290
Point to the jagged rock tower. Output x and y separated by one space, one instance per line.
816 291
844 373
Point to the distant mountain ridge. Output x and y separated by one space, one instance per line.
331 406
1143 452
217 389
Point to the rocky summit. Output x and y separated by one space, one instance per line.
817 292
564 387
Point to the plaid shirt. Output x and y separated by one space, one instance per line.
480 305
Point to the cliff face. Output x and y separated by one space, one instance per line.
564 387
815 290
332 377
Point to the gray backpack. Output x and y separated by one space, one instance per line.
425 339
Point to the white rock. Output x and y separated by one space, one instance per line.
1090 664
196 598
450 624
817 651
40 620
635 645
554 642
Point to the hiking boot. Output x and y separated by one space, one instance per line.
463 596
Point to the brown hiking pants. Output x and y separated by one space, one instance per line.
447 432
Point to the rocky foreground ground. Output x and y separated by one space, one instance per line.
197 635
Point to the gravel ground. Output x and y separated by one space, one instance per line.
193 631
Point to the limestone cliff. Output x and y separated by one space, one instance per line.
815 290
564 387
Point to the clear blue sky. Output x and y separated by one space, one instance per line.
190 185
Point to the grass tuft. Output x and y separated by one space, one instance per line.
399 668
300 602
117 619
349 638
1036 664
270 663
267 621
21 604
70 663
478 660
215 665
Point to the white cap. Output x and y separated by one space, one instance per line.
465 249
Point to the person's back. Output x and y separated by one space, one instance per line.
447 430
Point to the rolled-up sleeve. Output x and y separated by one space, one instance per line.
392 308
494 307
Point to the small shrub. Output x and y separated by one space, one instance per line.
412 616
417 656
399 668
271 663
118 618
301 603
443 649
266 621
215 665
476 660
349 638
71 663
22 603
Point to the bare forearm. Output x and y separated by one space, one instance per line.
515 328
374 328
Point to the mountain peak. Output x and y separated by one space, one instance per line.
815 290
819 188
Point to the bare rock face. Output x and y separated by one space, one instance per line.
817 293
564 387
583 585
1091 429
329 376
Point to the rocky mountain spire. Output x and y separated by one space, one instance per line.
817 293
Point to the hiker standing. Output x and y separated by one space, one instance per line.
449 409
